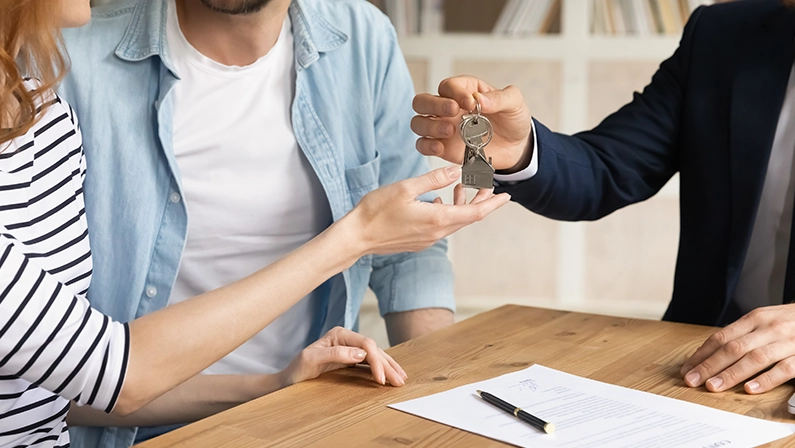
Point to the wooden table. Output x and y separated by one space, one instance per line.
347 409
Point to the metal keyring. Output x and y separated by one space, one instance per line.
491 129
474 119
477 107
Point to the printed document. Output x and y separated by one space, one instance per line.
588 413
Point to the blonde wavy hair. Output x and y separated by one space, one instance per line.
30 46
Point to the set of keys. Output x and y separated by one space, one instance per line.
476 131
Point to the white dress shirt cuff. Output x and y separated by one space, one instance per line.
528 172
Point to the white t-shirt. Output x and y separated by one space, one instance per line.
251 194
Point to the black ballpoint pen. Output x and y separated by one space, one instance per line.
522 415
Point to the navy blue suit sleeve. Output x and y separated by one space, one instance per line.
624 160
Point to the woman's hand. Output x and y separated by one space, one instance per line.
341 348
391 219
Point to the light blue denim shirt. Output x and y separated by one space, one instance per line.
350 115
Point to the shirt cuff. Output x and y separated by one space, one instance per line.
531 169
423 280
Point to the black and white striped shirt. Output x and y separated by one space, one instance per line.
53 346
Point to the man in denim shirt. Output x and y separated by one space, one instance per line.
262 121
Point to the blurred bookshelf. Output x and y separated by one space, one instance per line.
572 32
641 17
528 18
518 18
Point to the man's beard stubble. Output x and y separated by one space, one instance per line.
237 7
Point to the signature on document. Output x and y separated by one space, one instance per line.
528 385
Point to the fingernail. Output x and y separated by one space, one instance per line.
716 382
449 108
383 379
447 130
693 378
685 368
453 171
400 382
360 354
753 386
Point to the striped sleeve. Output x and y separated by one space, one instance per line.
53 338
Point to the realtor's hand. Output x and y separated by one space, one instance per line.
342 348
391 219
761 339
440 115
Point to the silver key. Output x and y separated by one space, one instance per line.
476 131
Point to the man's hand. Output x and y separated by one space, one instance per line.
342 348
761 339
441 115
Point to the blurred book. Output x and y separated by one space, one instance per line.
522 18
472 16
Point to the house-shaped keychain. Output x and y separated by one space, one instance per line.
476 131
477 172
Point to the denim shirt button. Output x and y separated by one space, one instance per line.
151 291
175 197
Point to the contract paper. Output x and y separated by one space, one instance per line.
588 413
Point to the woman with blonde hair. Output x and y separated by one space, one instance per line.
54 348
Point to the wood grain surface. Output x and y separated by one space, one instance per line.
347 409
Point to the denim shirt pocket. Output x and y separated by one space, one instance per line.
362 179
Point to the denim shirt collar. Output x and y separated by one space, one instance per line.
146 34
